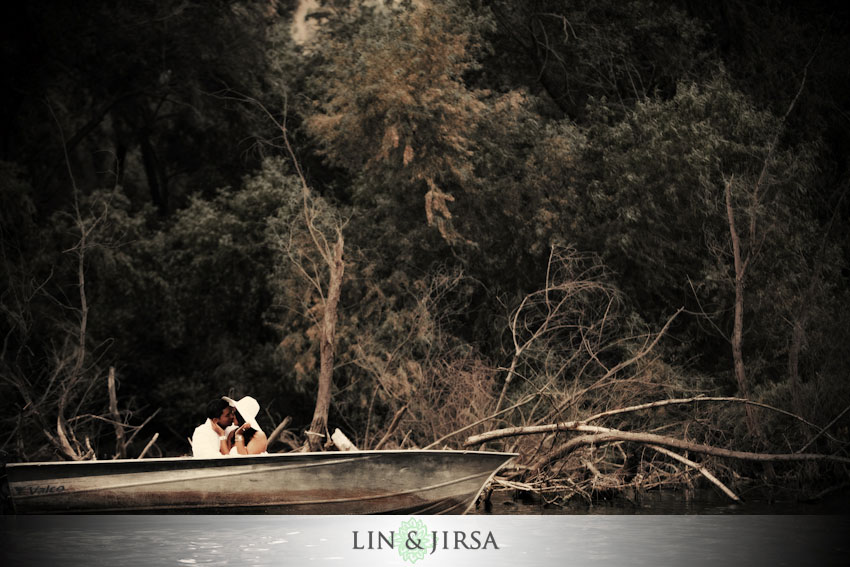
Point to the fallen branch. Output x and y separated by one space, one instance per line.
593 470
695 399
603 434
646 349
513 485
702 470
572 425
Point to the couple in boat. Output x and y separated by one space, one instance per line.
231 429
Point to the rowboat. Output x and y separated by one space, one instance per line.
334 482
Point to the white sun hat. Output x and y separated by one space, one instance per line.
248 407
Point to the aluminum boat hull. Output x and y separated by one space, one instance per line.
357 482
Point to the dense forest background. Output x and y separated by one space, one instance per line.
556 207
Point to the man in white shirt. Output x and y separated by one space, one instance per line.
210 438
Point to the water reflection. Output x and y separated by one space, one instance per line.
587 541
129 541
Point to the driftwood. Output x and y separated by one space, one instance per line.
540 330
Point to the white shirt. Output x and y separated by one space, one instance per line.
205 442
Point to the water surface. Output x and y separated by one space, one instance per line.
525 540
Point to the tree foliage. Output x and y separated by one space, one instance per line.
529 192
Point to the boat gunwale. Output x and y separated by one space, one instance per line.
248 459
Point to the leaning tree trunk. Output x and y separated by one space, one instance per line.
319 425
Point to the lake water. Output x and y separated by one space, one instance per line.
517 540
660 528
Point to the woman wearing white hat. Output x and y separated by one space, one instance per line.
248 438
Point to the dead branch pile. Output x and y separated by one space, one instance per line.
596 410
602 448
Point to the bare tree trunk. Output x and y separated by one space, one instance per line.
332 256
798 336
64 434
738 328
120 444
319 424
153 172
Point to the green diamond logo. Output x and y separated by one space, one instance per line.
413 538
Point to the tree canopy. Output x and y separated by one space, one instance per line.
527 190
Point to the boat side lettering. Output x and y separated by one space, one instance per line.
40 489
